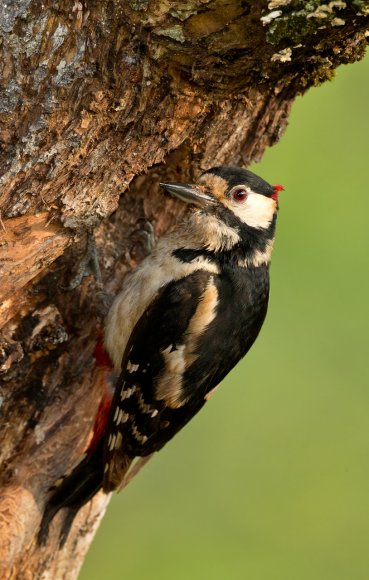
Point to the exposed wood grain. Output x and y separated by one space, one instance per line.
28 245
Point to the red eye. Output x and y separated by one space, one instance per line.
239 195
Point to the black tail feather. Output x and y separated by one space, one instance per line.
75 490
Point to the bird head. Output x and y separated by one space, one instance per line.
234 206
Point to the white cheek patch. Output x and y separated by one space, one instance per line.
256 211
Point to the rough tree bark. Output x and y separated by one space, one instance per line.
99 101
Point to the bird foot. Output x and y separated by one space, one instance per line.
143 240
89 265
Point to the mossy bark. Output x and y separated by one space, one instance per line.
99 101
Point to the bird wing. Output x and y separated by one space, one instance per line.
152 400
184 344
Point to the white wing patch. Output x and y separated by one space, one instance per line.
131 368
137 435
111 441
126 393
119 440
120 416
178 360
144 407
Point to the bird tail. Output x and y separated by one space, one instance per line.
73 492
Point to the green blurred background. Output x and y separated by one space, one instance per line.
271 480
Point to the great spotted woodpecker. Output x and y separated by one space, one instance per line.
182 321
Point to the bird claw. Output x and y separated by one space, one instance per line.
143 239
88 265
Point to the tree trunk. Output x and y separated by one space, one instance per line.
99 101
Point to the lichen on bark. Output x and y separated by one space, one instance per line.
292 20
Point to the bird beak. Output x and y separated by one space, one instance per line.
188 193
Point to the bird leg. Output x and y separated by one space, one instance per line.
88 265
143 240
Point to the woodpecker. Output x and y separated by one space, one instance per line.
184 318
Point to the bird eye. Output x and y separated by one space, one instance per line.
239 194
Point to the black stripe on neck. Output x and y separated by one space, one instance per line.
252 241
251 238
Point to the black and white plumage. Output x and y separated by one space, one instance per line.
182 321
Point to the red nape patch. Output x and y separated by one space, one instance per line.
101 420
277 188
101 356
